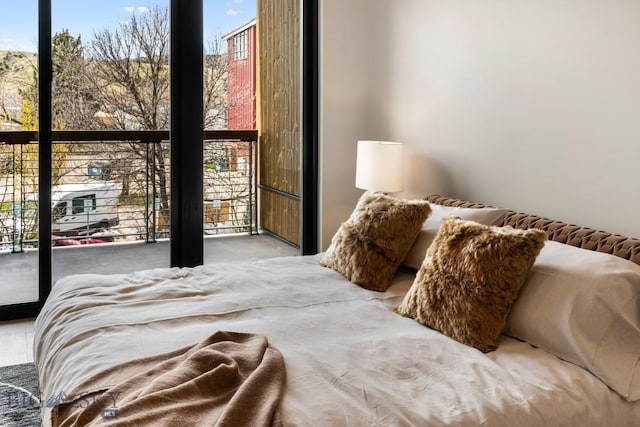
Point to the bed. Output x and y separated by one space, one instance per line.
350 359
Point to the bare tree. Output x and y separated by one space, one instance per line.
131 77
120 80
130 73
215 99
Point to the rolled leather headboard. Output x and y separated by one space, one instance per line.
582 237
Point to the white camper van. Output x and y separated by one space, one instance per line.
84 206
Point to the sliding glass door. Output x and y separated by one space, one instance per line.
87 159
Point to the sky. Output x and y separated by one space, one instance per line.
19 19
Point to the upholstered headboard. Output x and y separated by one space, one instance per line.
582 237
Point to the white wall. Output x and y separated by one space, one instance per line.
531 105
344 87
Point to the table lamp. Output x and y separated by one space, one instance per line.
379 166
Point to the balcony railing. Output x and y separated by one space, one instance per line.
110 186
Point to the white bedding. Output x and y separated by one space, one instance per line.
350 360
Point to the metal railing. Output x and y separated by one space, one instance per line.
110 186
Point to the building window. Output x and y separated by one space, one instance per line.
240 46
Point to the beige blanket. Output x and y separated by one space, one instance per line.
229 379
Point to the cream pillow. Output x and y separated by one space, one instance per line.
469 280
584 307
488 216
368 248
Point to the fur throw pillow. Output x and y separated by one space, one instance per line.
368 248
470 279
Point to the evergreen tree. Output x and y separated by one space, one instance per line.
73 103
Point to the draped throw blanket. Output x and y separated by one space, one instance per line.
229 379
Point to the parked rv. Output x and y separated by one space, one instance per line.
83 207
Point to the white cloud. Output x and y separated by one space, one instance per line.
233 12
238 1
139 9
7 43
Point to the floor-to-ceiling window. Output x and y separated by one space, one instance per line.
19 157
229 102
109 175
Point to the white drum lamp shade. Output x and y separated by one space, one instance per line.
379 166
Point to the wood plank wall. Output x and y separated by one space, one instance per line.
279 96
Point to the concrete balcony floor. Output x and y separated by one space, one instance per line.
19 271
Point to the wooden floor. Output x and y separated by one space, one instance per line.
16 337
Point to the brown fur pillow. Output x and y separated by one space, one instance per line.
368 248
470 279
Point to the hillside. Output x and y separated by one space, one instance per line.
16 72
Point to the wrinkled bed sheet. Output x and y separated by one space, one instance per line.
350 360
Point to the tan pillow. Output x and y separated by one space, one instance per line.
470 278
368 248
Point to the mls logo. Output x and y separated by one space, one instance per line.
56 400
108 413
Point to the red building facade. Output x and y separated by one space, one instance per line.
241 79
